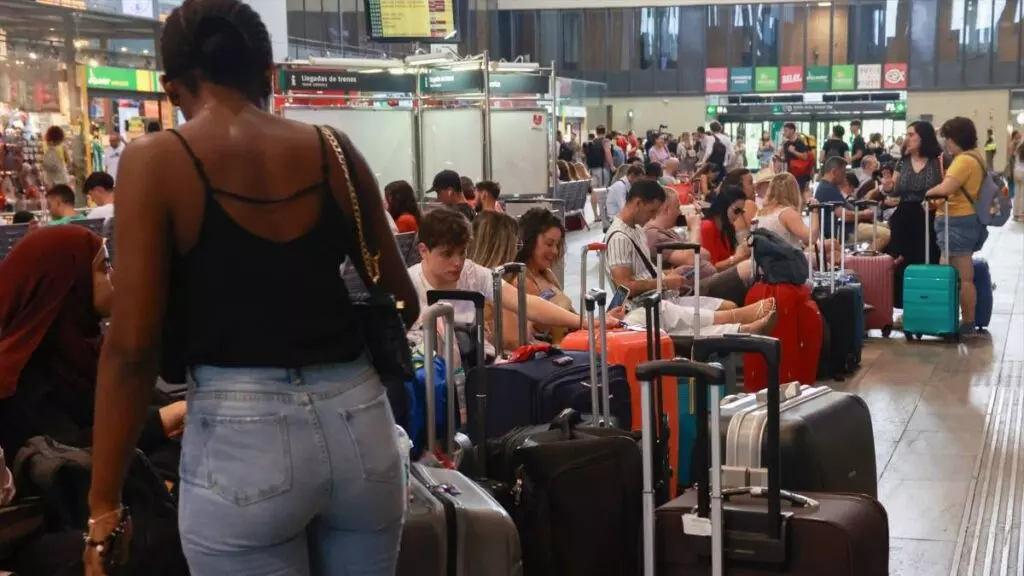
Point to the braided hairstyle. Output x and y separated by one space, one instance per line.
223 42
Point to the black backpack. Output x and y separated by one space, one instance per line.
832 148
595 154
777 261
718 151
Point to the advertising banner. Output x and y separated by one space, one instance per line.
894 77
716 80
818 79
767 79
125 79
792 79
843 77
741 79
869 76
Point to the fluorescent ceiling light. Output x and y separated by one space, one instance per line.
425 59
824 4
465 66
356 63
516 66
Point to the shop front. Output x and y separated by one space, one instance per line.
752 101
124 100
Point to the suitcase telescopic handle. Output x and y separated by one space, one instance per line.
497 276
770 349
479 335
430 317
601 248
662 247
679 368
596 300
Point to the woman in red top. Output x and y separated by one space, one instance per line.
402 206
718 232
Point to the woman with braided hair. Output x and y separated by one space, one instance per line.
231 232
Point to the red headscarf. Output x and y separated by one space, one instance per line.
46 307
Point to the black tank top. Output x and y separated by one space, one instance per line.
239 300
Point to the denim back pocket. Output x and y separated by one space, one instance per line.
372 431
243 460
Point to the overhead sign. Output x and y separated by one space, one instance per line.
843 77
122 79
452 81
792 79
716 80
767 79
412 20
895 109
519 84
741 80
869 76
894 76
335 81
818 79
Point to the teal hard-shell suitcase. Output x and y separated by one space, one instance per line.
931 296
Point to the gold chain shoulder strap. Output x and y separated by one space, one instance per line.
371 261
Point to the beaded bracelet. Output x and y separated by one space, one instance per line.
104 545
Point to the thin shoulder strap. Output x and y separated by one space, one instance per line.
195 160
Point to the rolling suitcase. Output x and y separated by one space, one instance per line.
756 530
931 295
983 286
479 536
539 383
625 349
842 308
876 272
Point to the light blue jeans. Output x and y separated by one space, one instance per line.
290 472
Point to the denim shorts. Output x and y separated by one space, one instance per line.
966 235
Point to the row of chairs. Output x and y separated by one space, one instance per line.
573 196
10 234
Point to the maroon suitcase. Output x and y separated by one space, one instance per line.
877 274
755 531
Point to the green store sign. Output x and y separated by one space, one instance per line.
818 79
124 79
766 79
844 77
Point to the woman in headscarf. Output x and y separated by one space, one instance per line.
54 290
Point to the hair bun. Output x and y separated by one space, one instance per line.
221 48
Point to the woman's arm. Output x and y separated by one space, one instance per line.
538 309
948 187
795 224
131 350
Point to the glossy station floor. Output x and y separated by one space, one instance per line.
949 429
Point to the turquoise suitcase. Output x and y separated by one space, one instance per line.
931 297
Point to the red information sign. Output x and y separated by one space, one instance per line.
792 79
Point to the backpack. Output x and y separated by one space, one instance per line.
832 148
993 204
804 167
775 260
595 154
718 151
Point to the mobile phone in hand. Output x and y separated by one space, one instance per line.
619 298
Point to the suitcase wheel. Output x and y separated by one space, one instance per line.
886 331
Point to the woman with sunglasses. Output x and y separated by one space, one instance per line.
718 230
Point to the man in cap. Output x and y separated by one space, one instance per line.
448 187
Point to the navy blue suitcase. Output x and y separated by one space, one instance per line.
537 390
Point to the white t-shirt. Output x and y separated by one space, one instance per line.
105 211
111 157
474 278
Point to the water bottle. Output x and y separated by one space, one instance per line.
404 448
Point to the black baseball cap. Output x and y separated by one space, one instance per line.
446 179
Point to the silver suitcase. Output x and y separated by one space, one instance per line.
827 442
485 539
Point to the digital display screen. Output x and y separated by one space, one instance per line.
412 20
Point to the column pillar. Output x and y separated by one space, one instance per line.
274 14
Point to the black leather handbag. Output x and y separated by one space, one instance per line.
378 314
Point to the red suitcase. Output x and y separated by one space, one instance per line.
798 327
876 272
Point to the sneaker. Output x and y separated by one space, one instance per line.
968 329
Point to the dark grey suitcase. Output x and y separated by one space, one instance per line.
479 538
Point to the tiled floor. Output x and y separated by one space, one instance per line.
948 429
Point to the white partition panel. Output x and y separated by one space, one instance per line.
452 139
520 151
383 137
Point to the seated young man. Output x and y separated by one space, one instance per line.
444 235
630 267
730 284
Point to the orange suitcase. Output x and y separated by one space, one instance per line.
628 348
